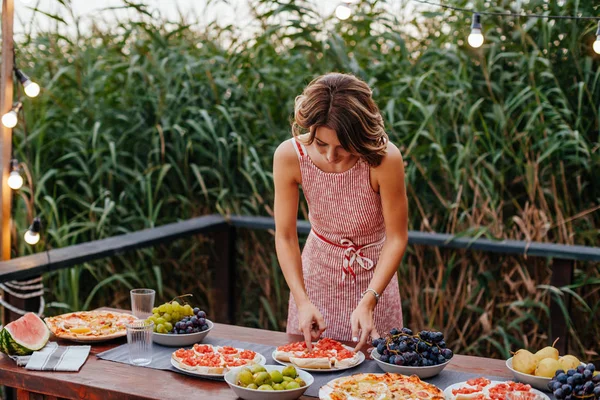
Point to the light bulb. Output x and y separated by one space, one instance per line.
475 39
10 119
31 237
343 12
32 89
596 45
15 180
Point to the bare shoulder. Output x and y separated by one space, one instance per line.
392 162
285 160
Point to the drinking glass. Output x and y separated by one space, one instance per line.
142 302
139 341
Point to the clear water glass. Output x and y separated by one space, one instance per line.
139 342
142 302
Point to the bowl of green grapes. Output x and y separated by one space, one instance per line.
268 382
177 325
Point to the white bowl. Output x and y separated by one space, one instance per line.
180 340
538 382
253 394
421 372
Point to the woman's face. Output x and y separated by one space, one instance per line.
329 146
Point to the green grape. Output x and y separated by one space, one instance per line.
168 308
155 310
160 321
162 308
160 328
175 303
167 317
168 327
187 310
156 315
175 316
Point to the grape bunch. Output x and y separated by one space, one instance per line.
580 383
166 315
402 347
192 324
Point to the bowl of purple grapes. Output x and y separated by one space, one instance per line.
188 330
402 352
580 383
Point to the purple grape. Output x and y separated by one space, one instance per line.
202 321
195 310
201 314
204 327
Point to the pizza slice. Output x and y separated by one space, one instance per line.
315 359
228 351
283 353
180 354
203 349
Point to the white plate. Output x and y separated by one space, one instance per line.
326 390
177 340
250 394
262 361
421 372
449 396
538 382
361 359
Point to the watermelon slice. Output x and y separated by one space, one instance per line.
24 336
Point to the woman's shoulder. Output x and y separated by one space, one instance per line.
285 151
392 158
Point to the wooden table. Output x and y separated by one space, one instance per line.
107 380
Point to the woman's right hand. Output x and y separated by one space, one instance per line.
311 323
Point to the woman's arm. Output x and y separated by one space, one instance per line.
287 177
390 179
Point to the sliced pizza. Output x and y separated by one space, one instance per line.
283 353
89 325
327 353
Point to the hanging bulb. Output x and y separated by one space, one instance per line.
343 11
596 45
11 118
32 236
475 39
31 88
15 180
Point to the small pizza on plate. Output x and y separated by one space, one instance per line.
379 386
326 354
484 389
205 359
89 325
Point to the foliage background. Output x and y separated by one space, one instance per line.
154 121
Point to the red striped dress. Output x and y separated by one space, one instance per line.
345 215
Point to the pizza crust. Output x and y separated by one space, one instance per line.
314 363
347 362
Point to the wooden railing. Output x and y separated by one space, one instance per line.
224 233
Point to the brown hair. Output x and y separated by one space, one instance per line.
343 103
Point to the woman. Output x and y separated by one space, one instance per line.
344 283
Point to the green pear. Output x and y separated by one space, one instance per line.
547 367
525 362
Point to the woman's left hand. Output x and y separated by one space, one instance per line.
362 322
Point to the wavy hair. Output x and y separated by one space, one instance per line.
343 103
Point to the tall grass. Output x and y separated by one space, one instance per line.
153 121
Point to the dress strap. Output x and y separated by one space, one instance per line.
300 149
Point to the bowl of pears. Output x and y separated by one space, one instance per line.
537 369
268 382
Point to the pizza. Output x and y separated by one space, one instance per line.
326 354
484 389
209 359
386 386
89 325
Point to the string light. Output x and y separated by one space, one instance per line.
596 45
475 38
343 11
11 118
15 180
32 236
31 88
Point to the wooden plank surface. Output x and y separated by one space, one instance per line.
101 379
